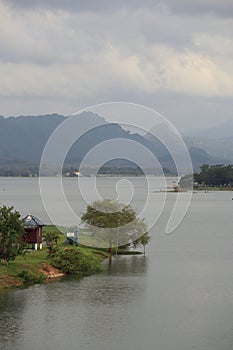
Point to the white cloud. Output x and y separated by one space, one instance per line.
195 74
123 52
164 70
215 45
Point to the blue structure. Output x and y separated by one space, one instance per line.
72 237
76 235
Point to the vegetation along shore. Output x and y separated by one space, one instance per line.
40 266
21 266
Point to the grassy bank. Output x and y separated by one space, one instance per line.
28 265
38 267
90 242
213 188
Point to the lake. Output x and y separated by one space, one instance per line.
179 297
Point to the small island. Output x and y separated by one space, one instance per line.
217 177
33 253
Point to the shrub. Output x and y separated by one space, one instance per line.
28 278
76 261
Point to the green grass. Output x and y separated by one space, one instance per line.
88 241
115 251
77 260
28 265
213 188
30 262
60 230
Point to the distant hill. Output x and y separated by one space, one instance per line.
199 157
22 141
23 138
221 131
217 141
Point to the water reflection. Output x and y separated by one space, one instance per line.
110 290
124 265
75 312
178 298
12 307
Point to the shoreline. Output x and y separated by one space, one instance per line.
48 271
36 268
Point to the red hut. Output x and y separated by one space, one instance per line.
33 231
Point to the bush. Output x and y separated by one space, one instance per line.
76 261
28 278
51 238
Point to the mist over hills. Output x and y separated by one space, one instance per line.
216 141
221 131
22 141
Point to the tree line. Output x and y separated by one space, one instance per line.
218 175
215 175
110 221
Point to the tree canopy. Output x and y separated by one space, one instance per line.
215 175
51 238
11 234
114 223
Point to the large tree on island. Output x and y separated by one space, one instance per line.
115 223
11 234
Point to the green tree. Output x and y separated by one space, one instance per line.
51 239
11 234
215 175
76 261
114 223
142 241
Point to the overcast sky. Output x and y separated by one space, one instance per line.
171 55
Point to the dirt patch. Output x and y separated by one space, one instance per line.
50 271
102 254
8 281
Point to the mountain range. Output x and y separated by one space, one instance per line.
23 138
217 142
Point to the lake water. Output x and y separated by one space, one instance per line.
179 297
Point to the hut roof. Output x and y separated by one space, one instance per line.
32 221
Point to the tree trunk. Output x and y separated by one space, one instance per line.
110 247
110 263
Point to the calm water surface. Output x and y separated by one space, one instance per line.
179 297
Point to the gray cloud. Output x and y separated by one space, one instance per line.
63 55
216 7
